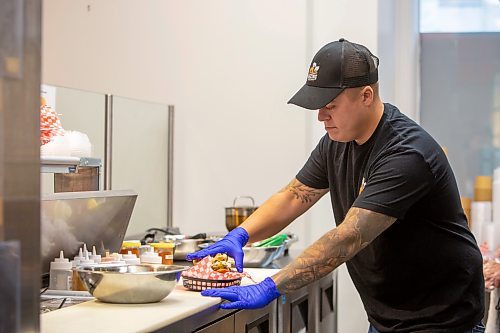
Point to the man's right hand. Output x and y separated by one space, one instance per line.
232 244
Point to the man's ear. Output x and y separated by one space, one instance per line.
368 95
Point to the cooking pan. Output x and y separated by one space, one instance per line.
235 215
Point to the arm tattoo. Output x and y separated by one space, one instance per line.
302 192
359 228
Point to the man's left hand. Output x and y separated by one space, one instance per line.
247 297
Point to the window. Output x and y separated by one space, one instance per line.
459 16
460 83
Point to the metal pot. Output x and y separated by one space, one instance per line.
237 214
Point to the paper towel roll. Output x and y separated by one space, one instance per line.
480 215
488 234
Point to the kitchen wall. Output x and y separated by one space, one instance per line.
229 67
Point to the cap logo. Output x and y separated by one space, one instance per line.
313 72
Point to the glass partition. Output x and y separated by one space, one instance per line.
81 111
139 159
139 146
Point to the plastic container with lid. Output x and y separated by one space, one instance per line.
165 251
131 245
151 257
61 274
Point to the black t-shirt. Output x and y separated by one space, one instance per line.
424 273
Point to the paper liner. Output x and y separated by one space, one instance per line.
50 124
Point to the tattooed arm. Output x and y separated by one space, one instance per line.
359 228
281 209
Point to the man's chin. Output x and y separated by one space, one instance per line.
337 138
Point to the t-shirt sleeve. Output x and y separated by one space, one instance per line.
395 183
314 172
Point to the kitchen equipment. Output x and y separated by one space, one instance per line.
131 284
185 245
71 219
235 215
261 256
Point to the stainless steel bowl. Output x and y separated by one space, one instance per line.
258 256
185 246
131 284
261 256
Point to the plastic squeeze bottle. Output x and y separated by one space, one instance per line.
61 274
94 256
131 259
150 257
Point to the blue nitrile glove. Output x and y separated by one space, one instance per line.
247 297
231 244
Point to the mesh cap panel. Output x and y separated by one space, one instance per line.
359 66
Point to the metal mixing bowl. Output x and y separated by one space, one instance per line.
258 256
130 284
186 246
261 256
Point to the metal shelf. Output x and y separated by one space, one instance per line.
66 164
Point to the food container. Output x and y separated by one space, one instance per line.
132 246
195 284
207 274
166 252
131 284
235 215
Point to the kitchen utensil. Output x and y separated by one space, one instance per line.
130 284
235 215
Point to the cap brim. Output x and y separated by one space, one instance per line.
314 98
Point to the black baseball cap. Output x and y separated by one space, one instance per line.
336 66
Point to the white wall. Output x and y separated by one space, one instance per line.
229 68
356 21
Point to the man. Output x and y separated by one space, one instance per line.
400 227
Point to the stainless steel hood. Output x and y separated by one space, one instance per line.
94 218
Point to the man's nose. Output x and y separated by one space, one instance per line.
323 115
